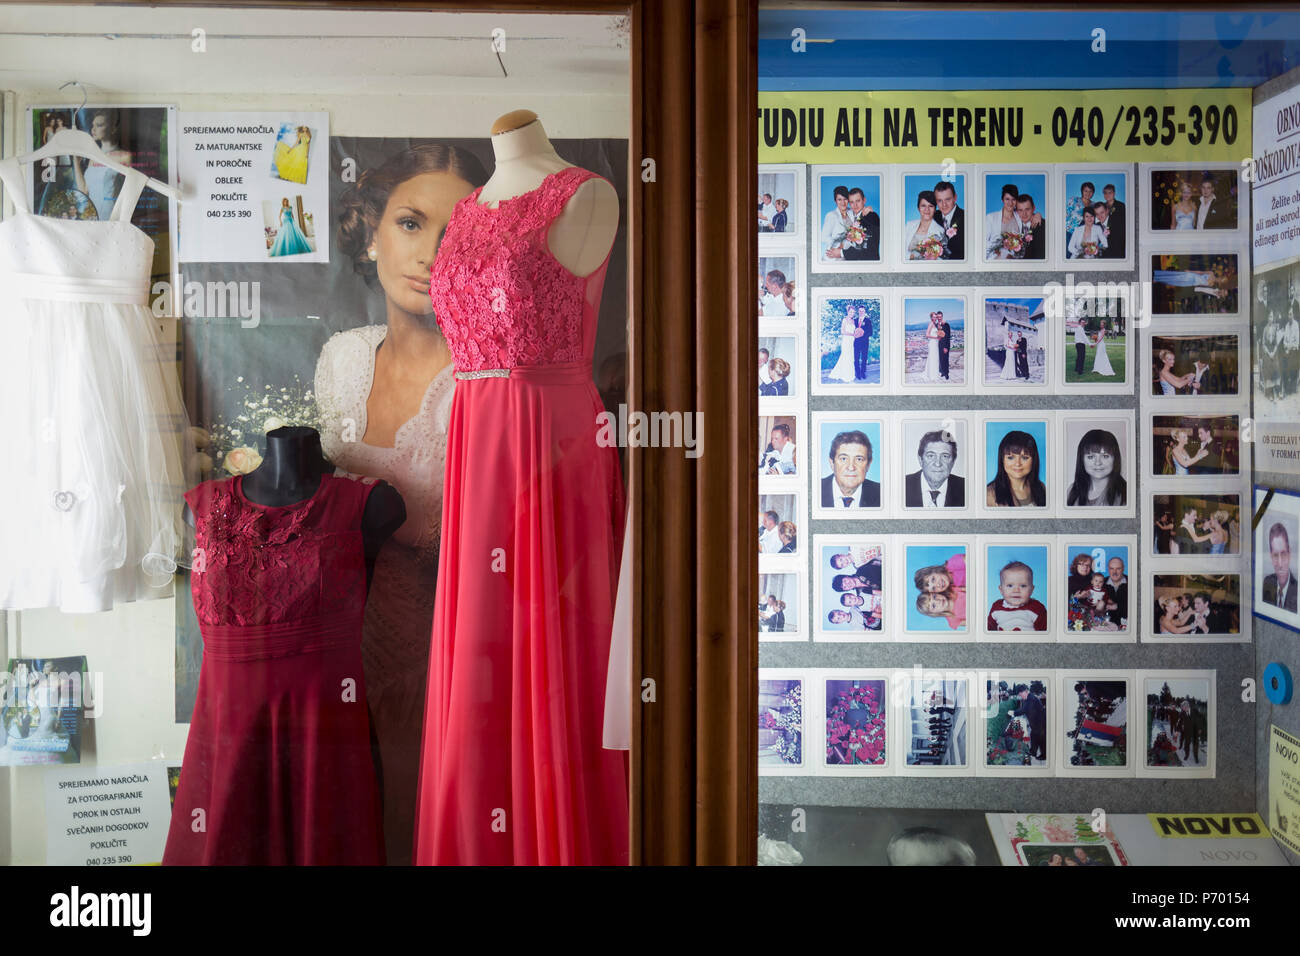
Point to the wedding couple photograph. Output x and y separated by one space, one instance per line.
1197 365
934 341
1181 445
1187 200
1015 227
1191 606
1015 341
849 209
1096 216
849 336
935 228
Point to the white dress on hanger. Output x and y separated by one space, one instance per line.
93 425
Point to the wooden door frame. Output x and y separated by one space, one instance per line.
692 342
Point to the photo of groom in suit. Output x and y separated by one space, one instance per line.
1033 226
1279 587
862 345
945 345
1213 211
1115 220
847 486
866 218
934 485
951 217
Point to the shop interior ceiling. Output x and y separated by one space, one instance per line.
125 50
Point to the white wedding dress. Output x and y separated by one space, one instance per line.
1101 364
93 425
843 370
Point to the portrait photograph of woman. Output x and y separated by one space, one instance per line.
1195 365
1014 468
1097 461
934 229
934 342
1016 337
849 332
1015 227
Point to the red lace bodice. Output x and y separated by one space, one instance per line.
501 298
265 565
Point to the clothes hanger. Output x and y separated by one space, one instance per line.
75 142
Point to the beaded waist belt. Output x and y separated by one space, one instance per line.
577 373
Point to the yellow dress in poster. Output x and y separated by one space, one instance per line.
291 161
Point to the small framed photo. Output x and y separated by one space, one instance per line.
1095 723
1096 230
781 367
781 726
780 606
849 214
1098 605
1097 463
1178 720
1017 229
1201 525
1019 711
857 726
1205 444
934 219
1193 200
1274 557
932 354
1196 607
1206 282
1017 341
1094 338
1187 366
935 577
850 468
1017 590
934 725
849 588
781 287
782 210
1276 350
934 463
779 522
850 339
1018 468
778 464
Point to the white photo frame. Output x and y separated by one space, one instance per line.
1042 428
788 506
1079 622
788 586
996 622
1225 353
877 185
835 696
792 264
1156 720
997 732
1181 281
857 630
929 692
1284 509
775 708
1072 427
773 177
1026 178
1228 589
1007 313
1159 444
1100 176
1077 315
936 622
830 307
914 369
1157 191
872 502
1099 738
773 465
911 181
910 467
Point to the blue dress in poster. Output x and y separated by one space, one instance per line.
289 241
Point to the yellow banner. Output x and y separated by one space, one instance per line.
1200 825
1008 126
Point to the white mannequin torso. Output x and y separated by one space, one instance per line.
584 232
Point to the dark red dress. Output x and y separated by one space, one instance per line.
277 766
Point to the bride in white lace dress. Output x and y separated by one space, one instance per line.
384 394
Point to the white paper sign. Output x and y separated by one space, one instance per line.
106 816
255 187
1275 190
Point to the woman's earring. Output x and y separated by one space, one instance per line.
371 254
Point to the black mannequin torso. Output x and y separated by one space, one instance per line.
291 471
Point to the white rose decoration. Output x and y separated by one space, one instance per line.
240 461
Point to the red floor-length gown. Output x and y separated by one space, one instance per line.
278 757
513 771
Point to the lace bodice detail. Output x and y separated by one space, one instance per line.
415 464
258 565
501 298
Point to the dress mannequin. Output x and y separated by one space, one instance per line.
584 232
291 471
